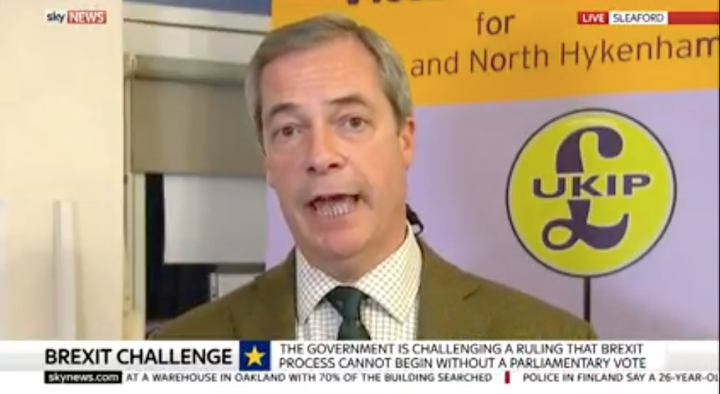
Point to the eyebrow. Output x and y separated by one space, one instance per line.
280 108
352 99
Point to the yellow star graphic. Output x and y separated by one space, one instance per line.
254 357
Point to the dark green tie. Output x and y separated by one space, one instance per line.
347 301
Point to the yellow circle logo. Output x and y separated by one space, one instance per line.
590 193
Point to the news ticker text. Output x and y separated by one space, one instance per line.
501 377
423 355
492 362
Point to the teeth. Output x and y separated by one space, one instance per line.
335 207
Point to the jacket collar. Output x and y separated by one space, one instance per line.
442 314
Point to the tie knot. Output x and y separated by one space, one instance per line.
347 301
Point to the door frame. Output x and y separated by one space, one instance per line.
182 33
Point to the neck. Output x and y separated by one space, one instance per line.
350 269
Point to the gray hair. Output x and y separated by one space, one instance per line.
318 30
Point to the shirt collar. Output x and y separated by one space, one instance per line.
393 284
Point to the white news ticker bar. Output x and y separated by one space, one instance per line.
692 356
28 382
27 356
30 356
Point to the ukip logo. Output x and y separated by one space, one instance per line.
590 193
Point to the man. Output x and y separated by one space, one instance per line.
332 107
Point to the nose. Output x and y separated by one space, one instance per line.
324 154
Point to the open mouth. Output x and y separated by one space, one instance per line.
334 205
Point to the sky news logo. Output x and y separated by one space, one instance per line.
77 17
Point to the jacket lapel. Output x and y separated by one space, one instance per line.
444 314
272 315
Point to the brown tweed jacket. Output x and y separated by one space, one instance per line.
454 305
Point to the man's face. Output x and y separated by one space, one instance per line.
336 156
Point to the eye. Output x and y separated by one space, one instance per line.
355 122
286 131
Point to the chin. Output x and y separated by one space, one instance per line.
339 243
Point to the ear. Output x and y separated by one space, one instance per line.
269 179
407 141
266 163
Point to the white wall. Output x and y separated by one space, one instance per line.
214 220
183 41
61 137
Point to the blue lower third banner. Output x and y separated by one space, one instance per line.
254 356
